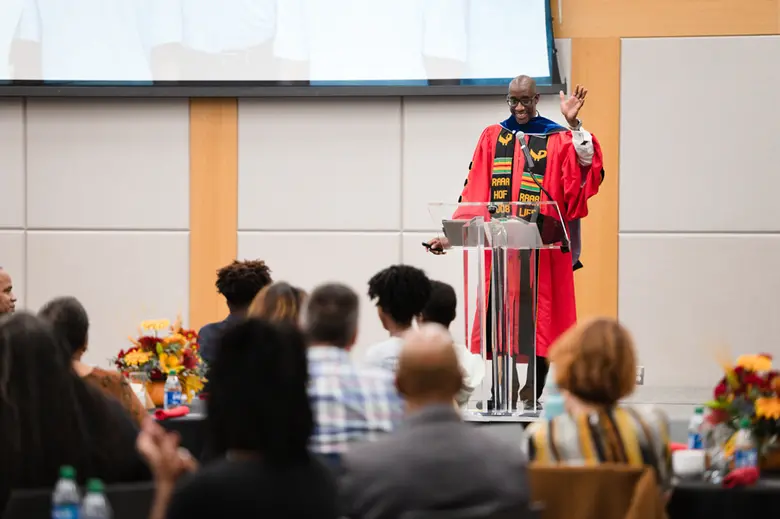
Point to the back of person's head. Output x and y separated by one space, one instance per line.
428 370
278 302
240 282
442 305
595 361
42 420
70 321
258 397
331 317
401 292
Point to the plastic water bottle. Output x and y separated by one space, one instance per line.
745 451
172 391
95 505
695 438
554 404
65 499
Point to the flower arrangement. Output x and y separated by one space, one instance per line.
749 389
161 348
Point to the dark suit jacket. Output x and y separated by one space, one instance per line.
210 334
434 462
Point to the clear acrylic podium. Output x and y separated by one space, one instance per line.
500 244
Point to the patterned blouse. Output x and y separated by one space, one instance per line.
637 437
114 384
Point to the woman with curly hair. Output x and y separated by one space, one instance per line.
595 369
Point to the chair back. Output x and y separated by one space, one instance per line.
606 491
127 500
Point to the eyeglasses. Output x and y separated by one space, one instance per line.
525 101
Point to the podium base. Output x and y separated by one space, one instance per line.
524 417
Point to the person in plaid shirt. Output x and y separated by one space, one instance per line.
351 403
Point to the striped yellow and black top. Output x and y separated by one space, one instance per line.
634 436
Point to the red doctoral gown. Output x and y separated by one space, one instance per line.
570 185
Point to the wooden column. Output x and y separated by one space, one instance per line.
596 64
213 202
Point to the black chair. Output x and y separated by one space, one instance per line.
128 501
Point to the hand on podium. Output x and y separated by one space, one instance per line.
437 246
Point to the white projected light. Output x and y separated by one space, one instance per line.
403 42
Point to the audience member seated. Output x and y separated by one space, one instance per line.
595 367
7 297
441 308
435 462
279 302
239 283
51 418
71 323
259 417
351 403
400 292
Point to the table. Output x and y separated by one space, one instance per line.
192 429
696 499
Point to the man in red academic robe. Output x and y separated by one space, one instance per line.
567 168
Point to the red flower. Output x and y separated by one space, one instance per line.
188 359
156 375
751 379
721 389
148 343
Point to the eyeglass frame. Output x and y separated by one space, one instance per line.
513 101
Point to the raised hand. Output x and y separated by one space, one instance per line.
571 106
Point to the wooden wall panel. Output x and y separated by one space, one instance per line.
213 202
661 18
596 64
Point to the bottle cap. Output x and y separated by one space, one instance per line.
699 410
67 472
172 372
744 423
95 486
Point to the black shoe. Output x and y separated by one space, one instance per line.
529 405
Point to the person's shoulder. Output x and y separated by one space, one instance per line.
510 451
651 416
209 328
110 381
539 432
105 374
376 454
491 131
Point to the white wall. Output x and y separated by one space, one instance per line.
699 218
95 205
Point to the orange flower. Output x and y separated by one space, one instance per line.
768 407
758 363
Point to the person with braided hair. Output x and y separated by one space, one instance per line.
239 283
401 292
